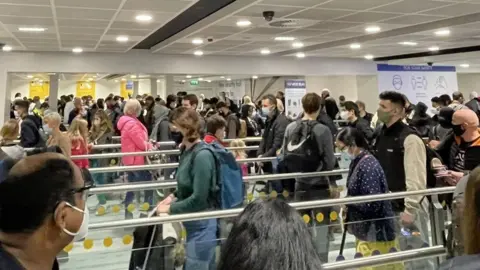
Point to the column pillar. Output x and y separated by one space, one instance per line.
53 92
5 83
153 87
169 85
136 85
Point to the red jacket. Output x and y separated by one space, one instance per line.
209 138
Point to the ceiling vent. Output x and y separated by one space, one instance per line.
290 24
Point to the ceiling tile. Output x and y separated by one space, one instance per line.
323 14
132 25
303 33
341 35
221 29
412 6
85 14
82 23
128 32
35 35
412 19
332 25
79 43
24 21
455 10
296 3
156 5
266 31
79 37
366 17
103 4
25 11
26 2
356 4
214 48
81 30
257 11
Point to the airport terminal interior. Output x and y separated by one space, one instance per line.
341 134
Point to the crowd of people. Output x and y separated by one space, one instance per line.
391 150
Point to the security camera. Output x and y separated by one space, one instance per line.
210 39
430 63
268 15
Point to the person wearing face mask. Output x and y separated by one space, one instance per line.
216 130
402 155
351 113
171 102
55 192
30 126
80 112
457 101
275 126
233 123
57 137
251 126
372 223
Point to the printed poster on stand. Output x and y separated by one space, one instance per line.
418 83
294 92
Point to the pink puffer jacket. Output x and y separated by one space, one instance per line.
134 138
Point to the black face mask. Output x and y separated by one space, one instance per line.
458 130
177 137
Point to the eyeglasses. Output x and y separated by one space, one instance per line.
83 190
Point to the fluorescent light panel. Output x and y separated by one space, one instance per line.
284 38
32 29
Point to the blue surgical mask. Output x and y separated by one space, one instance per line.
48 130
347 156
265 111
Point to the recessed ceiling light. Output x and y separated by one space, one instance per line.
372 29
209 81
90 79
143 18
228 79
40 81
198 53
297 45
223 77
6 48
122 38
265 51
197 41
29 76
244 23
32 29
254 77
465 65
116 81
284 38
184 81
434 48
123 79
368 56
300 55
94 76
355 46
77 50
158 80
408 43
188 76
200 79
442 33
133 77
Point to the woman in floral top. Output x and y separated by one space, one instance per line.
371 223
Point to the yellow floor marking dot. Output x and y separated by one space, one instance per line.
250 196
285 194
68 248
107 242
273 194
101 210
333 216
88 243
116 208
145 206
127 239
444 203
184 234
320 217
306 219
131 207
262 195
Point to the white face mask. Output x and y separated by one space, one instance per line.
83 231
344 115
16 114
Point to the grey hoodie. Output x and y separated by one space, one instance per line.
160 113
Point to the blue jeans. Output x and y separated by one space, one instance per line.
99 179
201 244
139 176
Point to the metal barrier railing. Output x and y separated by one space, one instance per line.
171 143
396 257
173 184
247 139
234 212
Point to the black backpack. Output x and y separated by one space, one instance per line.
301 151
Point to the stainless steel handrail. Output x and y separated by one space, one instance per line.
247 139
170 143
409 255
173 184
149 153
234 212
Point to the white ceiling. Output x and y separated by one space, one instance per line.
94 25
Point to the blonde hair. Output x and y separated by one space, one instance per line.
132 107
470 214
78 130
9 131
238 153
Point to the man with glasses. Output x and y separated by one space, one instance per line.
43 209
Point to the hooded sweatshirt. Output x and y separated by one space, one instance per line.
160 131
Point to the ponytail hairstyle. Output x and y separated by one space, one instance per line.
352 137
188 121
9 131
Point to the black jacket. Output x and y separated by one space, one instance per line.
273 135
30 132
363 126
324 119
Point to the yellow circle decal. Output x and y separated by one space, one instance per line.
107 242
116 208
273 194
131 207
88 243
249 196
68 248
285 193
444 203
306 218
145 206
262 195
333 216
184 234
127 239
101 210
320 217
